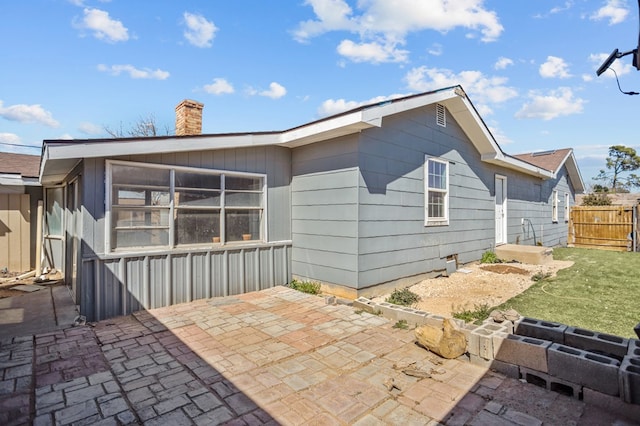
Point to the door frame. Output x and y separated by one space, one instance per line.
500 223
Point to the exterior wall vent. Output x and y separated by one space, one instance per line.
441 115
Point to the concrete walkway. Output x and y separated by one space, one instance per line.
271 357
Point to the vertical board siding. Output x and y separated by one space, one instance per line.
122 285
15 232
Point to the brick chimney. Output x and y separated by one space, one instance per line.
189 118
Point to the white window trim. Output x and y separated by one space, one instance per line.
172 246
439 221
567 201
554 206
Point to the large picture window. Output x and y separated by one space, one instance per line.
163 206
436 191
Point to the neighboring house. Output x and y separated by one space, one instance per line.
379 196
20 191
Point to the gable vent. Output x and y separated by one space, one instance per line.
441 115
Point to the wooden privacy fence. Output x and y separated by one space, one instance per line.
604 227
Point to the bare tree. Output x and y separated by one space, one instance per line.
145 126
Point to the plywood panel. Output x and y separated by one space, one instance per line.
15 235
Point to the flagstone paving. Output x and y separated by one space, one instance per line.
271 357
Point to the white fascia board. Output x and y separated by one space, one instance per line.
360 120
144 146
515 164
331 128
467 117
574 173
17 180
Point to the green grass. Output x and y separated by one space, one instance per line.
600 292
475 315
309 287
404 297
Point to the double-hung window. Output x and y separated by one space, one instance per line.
167 206
436 191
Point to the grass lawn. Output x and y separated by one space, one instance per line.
600 292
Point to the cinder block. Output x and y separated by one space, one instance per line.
509 370
601 343
521 350
598 372
362 303
466 330
410 315
612 405
483 340
634 348
538 329
629 380
388 310
551 383
479 361
434 320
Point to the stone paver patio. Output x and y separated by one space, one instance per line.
271 357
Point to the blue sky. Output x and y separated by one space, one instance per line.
71 67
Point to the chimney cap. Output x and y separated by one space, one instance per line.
190 103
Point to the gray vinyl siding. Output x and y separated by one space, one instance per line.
324 212
120 283
394 243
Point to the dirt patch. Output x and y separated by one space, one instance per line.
478 284
504 269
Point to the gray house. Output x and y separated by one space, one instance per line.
375 197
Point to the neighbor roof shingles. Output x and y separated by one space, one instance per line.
20 164
549 160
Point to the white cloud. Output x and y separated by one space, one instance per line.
220 86
134 72
28 114
336 106
556 103
199 32
11 138
90 128
436 49
103 27
482 89
615 11
276 91
554 68
383 25
503 63
371 52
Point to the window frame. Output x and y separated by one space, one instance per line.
554 206
567 201
439 220
173 209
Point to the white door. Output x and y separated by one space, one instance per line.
501 209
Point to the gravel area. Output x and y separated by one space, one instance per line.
478 284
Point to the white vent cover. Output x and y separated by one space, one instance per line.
441 115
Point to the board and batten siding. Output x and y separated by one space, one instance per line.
324 212
119 283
